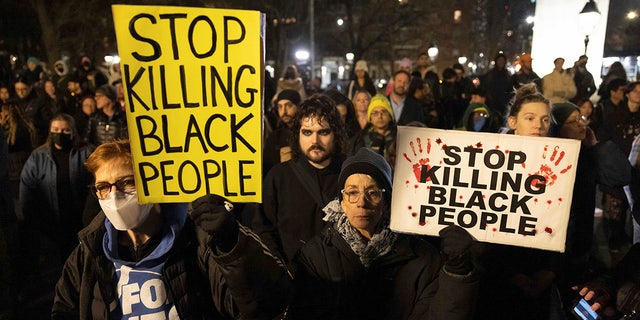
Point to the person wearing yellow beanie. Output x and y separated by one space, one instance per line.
380 100
381 129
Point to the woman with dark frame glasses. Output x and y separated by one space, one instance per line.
357 268
169 260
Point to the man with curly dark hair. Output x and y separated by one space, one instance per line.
295 191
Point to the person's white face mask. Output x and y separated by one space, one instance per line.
123 210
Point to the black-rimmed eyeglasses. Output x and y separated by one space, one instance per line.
374 196
125 185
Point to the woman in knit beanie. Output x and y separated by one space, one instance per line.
358 268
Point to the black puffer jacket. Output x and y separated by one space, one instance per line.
101 128
408 283
248 282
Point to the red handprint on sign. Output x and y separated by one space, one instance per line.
420 155
551 166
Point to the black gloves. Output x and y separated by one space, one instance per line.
214 215
455 245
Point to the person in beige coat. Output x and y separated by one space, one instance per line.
558 86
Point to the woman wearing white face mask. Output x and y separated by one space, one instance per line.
153 260
53 186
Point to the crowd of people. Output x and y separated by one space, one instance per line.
318 245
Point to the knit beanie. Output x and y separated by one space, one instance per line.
478 106
33 60
379 100
367 161
291 95
561 111
107 91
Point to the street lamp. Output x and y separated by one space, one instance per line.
302 55
350 56
588 19
432 52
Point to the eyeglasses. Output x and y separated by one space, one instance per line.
125 185
580 121
374 196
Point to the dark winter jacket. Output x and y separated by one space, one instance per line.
354 86
277 139
369 138
289 214
101 128
499 89
247 282
621 128
521 77
39 189
407 283
412 111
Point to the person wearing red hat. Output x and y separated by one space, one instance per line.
525 74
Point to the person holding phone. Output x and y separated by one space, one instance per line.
616 294
582 310
520 283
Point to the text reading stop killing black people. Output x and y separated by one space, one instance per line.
509 196
152 86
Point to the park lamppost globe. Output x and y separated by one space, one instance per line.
302 55
350 56
432 52
588 19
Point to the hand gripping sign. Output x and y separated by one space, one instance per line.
502 188
193 93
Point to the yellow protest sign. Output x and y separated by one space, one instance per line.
501 188
193 93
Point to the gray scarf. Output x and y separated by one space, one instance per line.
380 243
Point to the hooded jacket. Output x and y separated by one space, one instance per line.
491 121
200 282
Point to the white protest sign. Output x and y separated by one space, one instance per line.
501 188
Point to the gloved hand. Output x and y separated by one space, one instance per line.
455 244
214 215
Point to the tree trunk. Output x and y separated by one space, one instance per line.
48 32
